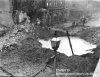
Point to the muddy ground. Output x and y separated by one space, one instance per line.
29 59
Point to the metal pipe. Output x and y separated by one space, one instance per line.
70 43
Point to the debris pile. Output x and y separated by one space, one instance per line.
91 35
15 35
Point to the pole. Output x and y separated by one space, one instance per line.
70 43
55 64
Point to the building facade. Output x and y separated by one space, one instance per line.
56 11
55 4
5 13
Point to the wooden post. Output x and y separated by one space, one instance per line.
55 64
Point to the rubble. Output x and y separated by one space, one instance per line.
91 35
30 55
15 35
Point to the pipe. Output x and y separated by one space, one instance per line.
70 43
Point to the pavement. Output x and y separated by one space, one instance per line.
97 70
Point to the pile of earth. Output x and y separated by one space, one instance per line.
27 58
30 60
91 35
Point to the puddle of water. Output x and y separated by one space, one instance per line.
79 46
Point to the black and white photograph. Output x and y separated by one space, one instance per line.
49 38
